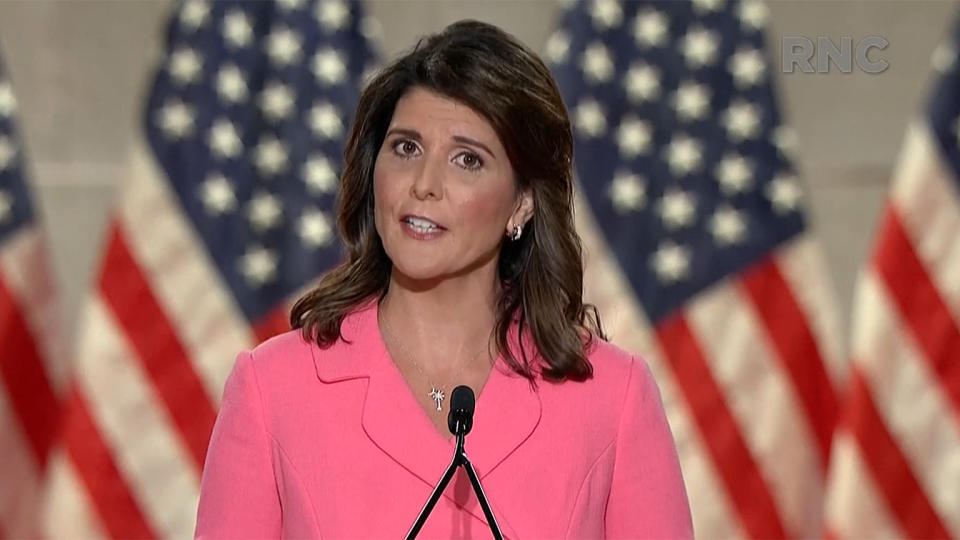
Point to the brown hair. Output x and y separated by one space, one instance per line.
542 273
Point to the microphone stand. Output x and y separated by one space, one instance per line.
459 459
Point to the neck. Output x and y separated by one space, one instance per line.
444 324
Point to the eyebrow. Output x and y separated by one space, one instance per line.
414 134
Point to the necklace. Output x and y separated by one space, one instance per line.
436 393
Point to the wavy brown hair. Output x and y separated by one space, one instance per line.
541 274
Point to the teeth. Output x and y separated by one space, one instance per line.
421 224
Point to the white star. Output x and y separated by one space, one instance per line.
677 209
741 120
319 174
259 266
325 121
271 156
784 193
6 206
264 211
277 101
590 118
224 140
8 103
704 6
7 152
284 46
606 14
684 155
650 28
558 47
194 14
785 139
642 82
633 137
627 191
699 47
185 65
753 14
943 59
727 226
692 101
735 173
230 84
747 67
217 194
333 14
176 119
315 229
290 5
371 28
596 63
237 29
671 262
328 67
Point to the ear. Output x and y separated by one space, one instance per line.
523 210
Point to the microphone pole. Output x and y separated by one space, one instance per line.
460 422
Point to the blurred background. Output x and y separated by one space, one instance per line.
83 73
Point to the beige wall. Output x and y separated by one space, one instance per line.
79 70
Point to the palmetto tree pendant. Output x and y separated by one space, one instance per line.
437 396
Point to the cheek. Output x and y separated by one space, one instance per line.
383 197
378 184
383 179
482 211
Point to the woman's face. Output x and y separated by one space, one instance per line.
442 161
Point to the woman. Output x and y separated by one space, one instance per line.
456 204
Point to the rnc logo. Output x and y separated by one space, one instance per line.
799 50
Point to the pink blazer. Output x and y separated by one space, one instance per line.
331 443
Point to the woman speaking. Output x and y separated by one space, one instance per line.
464 268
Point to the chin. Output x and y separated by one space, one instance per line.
416 270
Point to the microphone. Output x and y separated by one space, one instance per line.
459 422
462 404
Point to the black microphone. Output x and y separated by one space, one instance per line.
462 404
460 422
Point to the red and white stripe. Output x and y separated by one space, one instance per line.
159 336
747 372
32 374
901 419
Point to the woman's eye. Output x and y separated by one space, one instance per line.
469 160
405 148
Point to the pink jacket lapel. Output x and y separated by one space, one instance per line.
507 412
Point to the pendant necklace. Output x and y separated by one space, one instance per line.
436 393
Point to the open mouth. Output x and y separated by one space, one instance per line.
421 225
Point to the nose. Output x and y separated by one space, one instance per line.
429 182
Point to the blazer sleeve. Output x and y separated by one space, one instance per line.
238 491
647 497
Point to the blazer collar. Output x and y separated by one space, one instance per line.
508 410
352 356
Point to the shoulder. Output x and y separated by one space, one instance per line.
600 400
292 359
281 359
291 341
615 368
281 347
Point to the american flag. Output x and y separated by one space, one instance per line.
896 466
225 219
698 252
31 363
